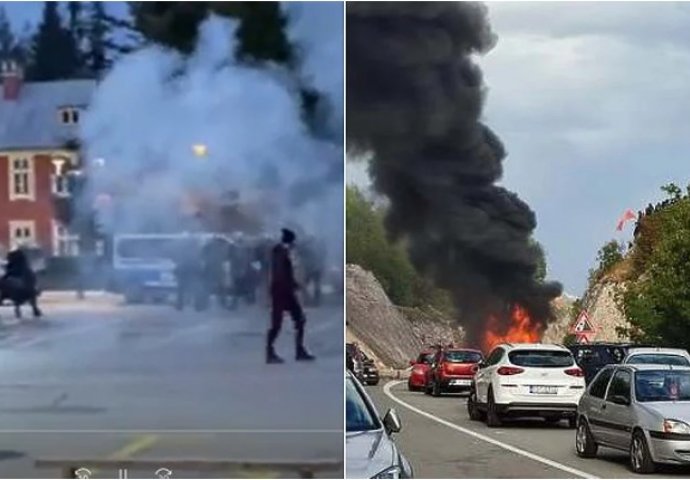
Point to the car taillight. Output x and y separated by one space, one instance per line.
509 370
575 372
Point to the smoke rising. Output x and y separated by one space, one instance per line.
156 105
414 99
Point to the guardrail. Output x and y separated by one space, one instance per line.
303 469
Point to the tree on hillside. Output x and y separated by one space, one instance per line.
607 257
55 54
656 301
540 274
369 247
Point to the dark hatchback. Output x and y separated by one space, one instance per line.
593 357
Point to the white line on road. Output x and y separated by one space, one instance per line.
387 390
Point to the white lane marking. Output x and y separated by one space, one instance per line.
387 390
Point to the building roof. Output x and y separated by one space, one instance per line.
33 122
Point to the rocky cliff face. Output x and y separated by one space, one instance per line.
392 335
600 304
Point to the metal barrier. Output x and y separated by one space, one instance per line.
78 468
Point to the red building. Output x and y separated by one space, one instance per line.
38 120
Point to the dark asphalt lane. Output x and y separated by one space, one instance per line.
99 380
450 445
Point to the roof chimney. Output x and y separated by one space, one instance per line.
12 77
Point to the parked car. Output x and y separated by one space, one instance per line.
593 357
371 451
641 409
660 356
526 380
452 370
369 373
360 365
420 367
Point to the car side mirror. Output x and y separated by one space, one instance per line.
391 422
412 363
620 400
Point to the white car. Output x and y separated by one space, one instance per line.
526 380
658 356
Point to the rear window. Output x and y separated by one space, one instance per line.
659 359
460 356
541 358
425 358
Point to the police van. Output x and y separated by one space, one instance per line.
144 264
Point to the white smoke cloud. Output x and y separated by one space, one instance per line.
155 105
317 30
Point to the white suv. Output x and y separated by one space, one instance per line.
528 380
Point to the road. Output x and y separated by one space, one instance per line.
440 441
96 379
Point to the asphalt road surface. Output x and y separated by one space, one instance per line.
102 380
440 441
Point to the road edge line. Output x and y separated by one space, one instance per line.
533 456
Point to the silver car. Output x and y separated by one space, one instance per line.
371 453
658 356
641 409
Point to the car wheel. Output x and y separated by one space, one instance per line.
473 409
640 458
493 418
585 445
374 383
410 387
436 389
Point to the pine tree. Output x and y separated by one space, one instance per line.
97 58
55 54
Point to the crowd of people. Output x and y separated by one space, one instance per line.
239 271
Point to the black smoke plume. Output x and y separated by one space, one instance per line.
414 99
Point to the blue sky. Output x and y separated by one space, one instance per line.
592 101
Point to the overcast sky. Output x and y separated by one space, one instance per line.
592 101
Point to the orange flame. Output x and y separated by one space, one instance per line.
521 330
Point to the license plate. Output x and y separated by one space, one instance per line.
461 382
543 390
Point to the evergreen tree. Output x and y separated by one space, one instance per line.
55 54
97 58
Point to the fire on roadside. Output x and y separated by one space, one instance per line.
519 328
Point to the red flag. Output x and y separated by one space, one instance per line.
628 215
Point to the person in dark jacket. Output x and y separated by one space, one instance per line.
284 299
19 281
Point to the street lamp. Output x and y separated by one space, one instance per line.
200 150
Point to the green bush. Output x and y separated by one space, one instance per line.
368 246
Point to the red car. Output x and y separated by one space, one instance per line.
417 380
452 370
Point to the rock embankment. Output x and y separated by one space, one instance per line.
600 304
391 335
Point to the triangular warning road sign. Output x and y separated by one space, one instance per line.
582 324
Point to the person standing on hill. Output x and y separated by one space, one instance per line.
283 290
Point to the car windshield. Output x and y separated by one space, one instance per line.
463 356
359 416
541 358
662 386
659 359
